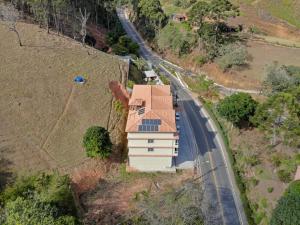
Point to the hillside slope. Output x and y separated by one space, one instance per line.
44 114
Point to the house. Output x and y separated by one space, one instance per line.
150 75
151 129
179 17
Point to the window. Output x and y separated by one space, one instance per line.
176 142
150 149
150 141
176 150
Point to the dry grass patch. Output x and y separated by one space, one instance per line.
44 114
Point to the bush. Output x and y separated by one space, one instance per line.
200 60
125 46
287 211
118 106
164 79
270 189
130 84
237 108
284 175
281 78
96 142
232 55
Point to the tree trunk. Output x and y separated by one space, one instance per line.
18 35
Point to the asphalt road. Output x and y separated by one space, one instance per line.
221 202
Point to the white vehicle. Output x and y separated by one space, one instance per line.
177 116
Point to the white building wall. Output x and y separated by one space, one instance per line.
151 163
160 159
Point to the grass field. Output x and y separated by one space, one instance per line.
287 10
44 114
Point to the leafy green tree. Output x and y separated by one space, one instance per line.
287 211
33 211
149 17
198 12
211 34
279 117
183 3
237 108
232 55
177 39
40 199
125 46
96 142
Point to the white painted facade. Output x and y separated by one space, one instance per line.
152 151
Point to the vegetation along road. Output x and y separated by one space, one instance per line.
223 204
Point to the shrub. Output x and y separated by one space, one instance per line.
96 142
125 46
164 79
284 175
200 60
118 106
237 108
270 189
281 78
232 55
255 30
130 84
287 211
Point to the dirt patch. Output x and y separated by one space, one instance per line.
246 77
113 196
255 16
45 114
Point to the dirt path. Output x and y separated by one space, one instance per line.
56 125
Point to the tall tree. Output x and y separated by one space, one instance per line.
279 117
83 18
10 15
198 13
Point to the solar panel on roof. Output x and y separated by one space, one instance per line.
151 121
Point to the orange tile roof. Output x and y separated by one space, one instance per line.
157 103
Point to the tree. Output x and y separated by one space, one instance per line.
39 199
279 78
237 108
149 16
96 142
279 117
10 15
83 18
208 17
232 55
180 41
197 13
287 211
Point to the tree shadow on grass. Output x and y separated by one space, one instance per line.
6 176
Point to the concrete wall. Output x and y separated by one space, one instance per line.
151 163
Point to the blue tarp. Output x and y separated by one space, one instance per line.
79 79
